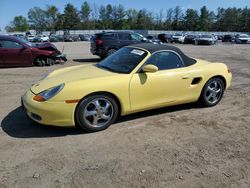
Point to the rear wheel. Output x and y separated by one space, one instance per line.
111 51
212 92
96 113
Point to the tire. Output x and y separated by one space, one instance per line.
212 92
111 51
40 62
91 114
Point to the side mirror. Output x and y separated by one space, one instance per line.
150 68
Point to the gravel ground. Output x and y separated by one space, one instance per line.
181 146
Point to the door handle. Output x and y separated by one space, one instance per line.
185 77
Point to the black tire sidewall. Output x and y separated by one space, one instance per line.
109 51
203 94
82 105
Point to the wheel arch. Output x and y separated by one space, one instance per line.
220 77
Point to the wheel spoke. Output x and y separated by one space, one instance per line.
95 120
105 110
215 86
218 91
89 113
97 104
105 117
209 88
209 96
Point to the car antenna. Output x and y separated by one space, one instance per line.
63 49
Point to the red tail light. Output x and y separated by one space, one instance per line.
99 42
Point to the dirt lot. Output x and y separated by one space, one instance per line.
183 146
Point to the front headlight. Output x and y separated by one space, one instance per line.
48 94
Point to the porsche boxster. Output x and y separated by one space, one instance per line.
135 78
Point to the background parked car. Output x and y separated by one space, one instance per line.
205 40
105 43
30 37
36 39
19 52
153 40
165 38
178 38
84 37
44 38
75 38
71 38
242 39
60 38
53 38
227 38
190 39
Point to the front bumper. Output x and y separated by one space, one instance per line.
57 113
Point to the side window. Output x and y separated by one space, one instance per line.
124 36
136 37
165 60
108 35
10 44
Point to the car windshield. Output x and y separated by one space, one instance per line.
123 61
25 41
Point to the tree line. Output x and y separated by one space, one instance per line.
117 17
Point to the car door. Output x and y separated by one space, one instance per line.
169 85
14 53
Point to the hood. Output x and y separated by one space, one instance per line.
46 46
70 74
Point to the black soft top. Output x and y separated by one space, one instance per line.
158 47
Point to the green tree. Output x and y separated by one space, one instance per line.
131 19
71 17
169 19
37 18
52 15
177 18
19 23
144 20
204 20
102 17
244 19
108 16
118 14
85 15
59 25
191 20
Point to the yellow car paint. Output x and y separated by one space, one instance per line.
135 91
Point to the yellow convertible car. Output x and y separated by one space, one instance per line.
135 78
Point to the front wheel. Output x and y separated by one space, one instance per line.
212 92
96 113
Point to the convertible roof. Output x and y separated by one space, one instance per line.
158 47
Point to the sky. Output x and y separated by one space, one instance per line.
11 8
